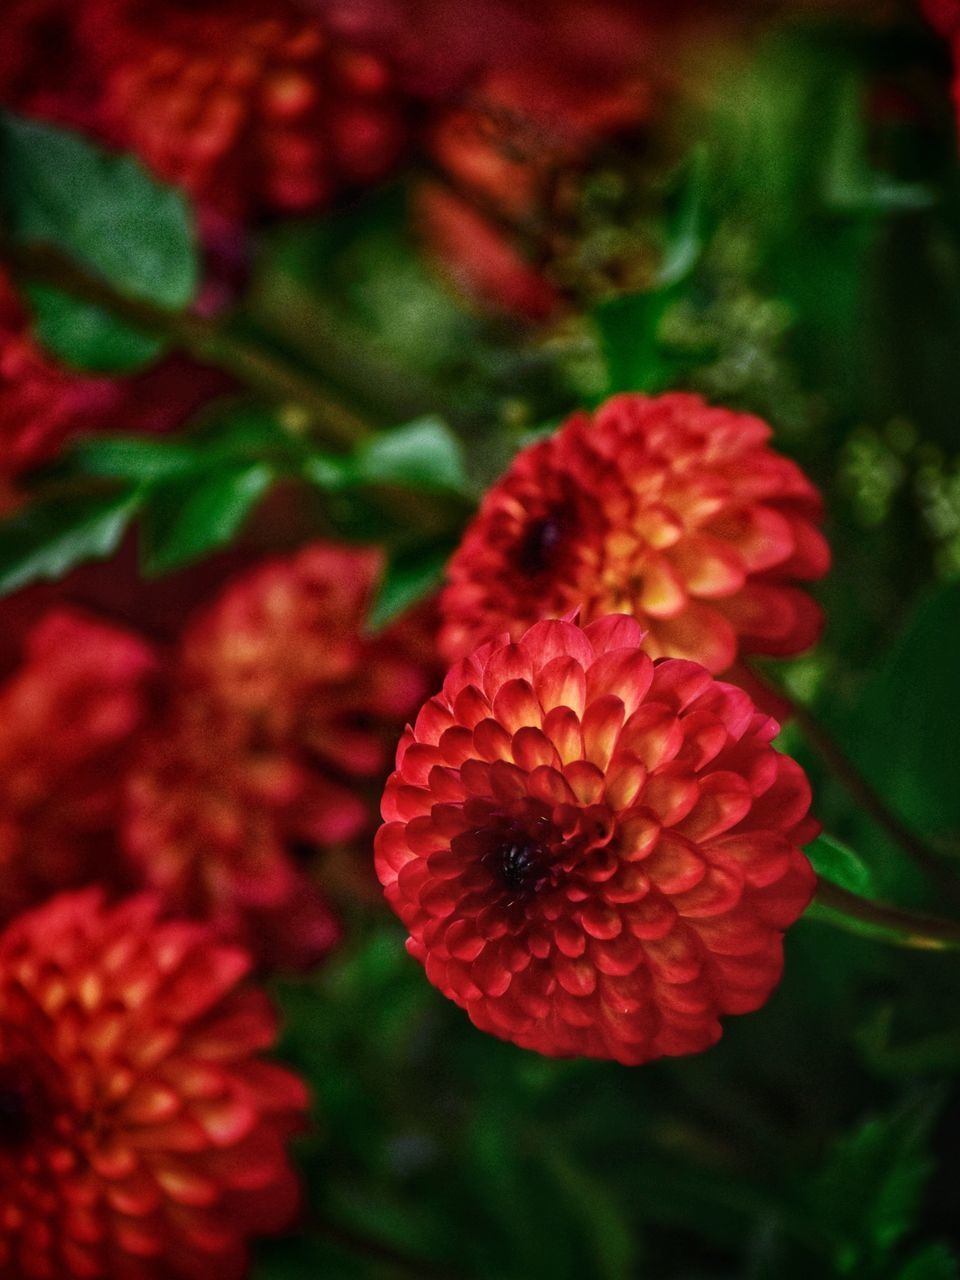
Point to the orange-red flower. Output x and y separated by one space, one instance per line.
595 854
665 508
141 1135
508 152
68 717
252 110
283 715
213 820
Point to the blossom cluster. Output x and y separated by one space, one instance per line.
588 831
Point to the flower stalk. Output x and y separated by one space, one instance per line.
914 930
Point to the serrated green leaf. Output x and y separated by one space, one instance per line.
935 1262
104 210
424 454
409 577
188 519
46 539
87 337
868 1194
839 864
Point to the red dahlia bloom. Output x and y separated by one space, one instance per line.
212 820
140 1134
284 649
666 508
282 713
250 109
68 716
595 854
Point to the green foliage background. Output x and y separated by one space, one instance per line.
812 265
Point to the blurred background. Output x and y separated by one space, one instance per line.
285 288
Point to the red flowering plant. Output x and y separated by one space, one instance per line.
594 854
622 576
142 1133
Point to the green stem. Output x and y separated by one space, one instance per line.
863 792
206 340
911 929
377 1251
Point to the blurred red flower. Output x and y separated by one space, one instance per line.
68 717
251 110
663 507
595 854
213 820
140 1133
282 714
507 149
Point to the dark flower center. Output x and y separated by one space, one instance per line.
519 864
14 1117
538 546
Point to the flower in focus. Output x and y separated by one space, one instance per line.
283 715
665 508
251 110
593 853
68 717
140 1133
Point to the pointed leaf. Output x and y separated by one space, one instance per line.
46 539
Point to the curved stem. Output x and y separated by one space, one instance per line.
872 803
207 340
904 928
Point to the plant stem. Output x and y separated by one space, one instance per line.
905 928
823 742
208 341
377 1251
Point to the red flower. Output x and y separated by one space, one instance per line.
665 508
212 821
508 152
943 14
68 716
140 1134
284 649
595 854
282 714
250 109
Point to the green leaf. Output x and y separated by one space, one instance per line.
87 337
409 576
839 864
902 730
629 325
188 519
935 1262
47 539
851 184
136 458
686 231
104 210
424 454
867 1197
